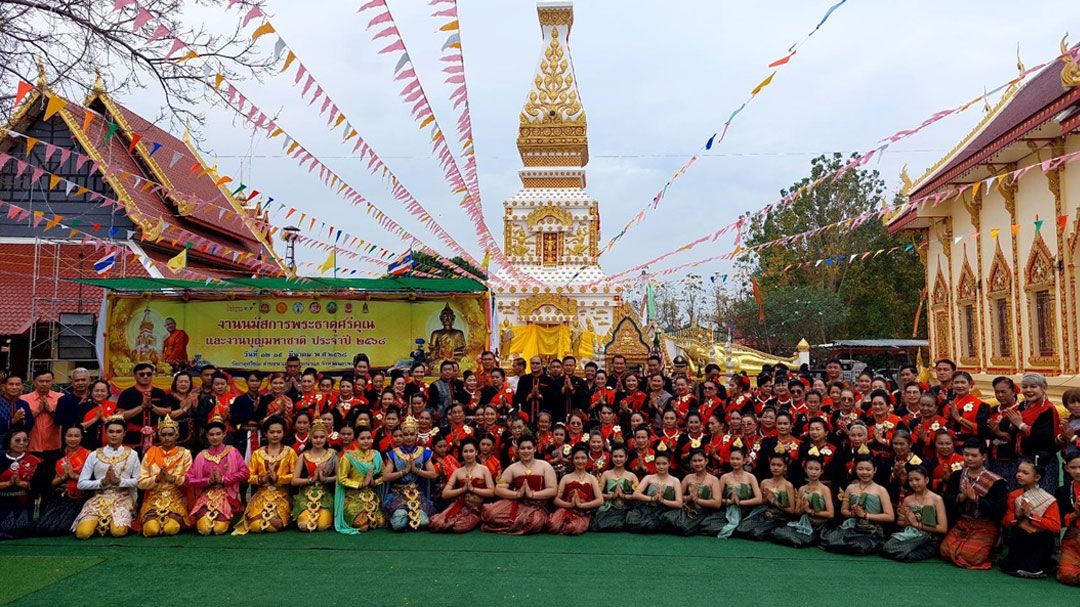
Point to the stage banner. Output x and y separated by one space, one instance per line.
260 332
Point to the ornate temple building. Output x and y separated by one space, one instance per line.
551 226
129 154
1001 259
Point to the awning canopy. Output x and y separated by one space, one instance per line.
304 285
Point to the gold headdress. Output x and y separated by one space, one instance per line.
167 422
410 422
863 449
915 461
115 417
363 423
661 447
737 444
813 452
321 425
780 449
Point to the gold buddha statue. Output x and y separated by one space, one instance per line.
447 342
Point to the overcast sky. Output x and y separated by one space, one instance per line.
656 78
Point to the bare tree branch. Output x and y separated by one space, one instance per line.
76 38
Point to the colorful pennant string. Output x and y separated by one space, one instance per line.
718 137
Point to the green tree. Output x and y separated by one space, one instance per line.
872 298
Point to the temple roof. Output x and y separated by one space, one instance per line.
215 215
1017 113
553 128
1043 108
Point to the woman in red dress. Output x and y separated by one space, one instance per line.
523 490
578 495
468 487
59 510
968 416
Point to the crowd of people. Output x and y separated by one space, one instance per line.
877 465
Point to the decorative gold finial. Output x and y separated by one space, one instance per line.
1019 64
906 180
1070 74
41 72
99 82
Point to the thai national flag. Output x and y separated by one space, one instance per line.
105 264
401 266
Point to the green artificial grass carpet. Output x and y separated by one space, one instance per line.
384 568
26 574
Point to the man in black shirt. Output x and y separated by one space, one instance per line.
142 405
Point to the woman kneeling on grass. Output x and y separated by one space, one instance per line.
466 489
922 516
215 477
577 497
866 507
657 494
524 489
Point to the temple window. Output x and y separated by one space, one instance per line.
1042 312
999 307
967 326
1042 305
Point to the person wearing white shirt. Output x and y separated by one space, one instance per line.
112 473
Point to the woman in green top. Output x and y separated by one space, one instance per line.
359 474
814 502
865 506
739 490
701 513
618 485
656 493
922 516
779 501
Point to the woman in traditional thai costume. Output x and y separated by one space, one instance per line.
1069 505
922 516
112 472
609 427
967 415
814 502
739 490
656 494
270 473
508 442
1032 524
669 435
893 467
577 497
19 481
384 435
161 476
215 477
59 510
408 471
575 429
1032 428
544 431
946 461
316 474
301 436
278 403
597 452
356 504
975 500
778 505
701 513
523 490
693 439
445 463
466 490
642 457
866 506
617 485
558 452
882 423
96 410
784 441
